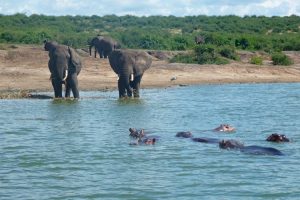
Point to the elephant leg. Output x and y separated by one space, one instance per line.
129 91
135 84
72 83
101 53
57 86
122 89
105 54
95 52
68 89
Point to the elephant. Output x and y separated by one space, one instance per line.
104 46
199 39
130 66
252 149
64 65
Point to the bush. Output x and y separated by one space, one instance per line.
256 60
228 52
184 58
280 58
206 54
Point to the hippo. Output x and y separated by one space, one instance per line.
252 149
206 140
141 137
225 128
188 134
184 134
275 137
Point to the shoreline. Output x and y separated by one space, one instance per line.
25 68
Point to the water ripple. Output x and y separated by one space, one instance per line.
79 150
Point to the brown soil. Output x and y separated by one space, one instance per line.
25 68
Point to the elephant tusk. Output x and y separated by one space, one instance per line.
66 76
131 77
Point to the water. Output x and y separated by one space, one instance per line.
79 149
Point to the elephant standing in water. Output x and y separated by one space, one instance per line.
130 66
104 45
64 65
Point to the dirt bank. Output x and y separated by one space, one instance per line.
25 68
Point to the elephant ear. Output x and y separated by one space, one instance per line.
142 62
75 60
117 60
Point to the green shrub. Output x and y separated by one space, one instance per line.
228 52
206 54
280 58
256 60
184 58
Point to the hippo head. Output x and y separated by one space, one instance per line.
136 134
149 141
184 134
225 128
230 144
275 137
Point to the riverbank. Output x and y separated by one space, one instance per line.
24 68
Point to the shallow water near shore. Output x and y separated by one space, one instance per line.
80 149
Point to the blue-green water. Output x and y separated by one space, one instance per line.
79 150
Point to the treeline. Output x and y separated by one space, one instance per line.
156 32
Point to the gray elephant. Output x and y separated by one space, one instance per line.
199 39
130 66
104 45
64 65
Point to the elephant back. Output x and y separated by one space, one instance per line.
75 60
108 44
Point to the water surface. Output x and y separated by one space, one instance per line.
79 149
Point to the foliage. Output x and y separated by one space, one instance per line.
279 58
228 52
156 32
222 34
203 54
256 60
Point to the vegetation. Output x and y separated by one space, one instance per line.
223 34
279 58
256 60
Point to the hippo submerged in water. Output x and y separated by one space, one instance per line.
253 149
275 137
141 137
188 134
225 128
232 144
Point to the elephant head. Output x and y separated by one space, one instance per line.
103 45
130 66
199 39
64 65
